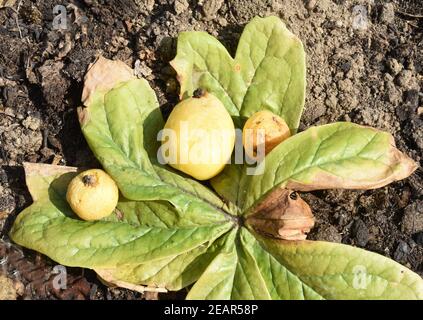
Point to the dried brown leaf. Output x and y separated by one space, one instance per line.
284 215
103 75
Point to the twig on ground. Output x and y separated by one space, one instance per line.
414 16
17 17
16 11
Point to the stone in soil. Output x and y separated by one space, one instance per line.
54 84
32 122
9 289
328 233
412 221
407 80
180 6
311 4
402 251
19 141
387 14
211 7
360 233
394 66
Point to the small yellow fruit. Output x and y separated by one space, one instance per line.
273 127
199 136
92 194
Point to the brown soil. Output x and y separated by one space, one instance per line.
367 70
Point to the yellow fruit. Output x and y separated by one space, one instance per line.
271 128
199 136
92 194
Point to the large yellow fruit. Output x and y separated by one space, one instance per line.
92 194
199 136
263 127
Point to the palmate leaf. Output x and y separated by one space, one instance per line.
50 227
118 142
277 269
339 155
137 234
268 71
170 231
227 262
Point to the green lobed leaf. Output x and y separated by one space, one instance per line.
337 271
217 280
260 270
124 145
171 231
258 267
173 273
50 227
268 71
229 263
340 155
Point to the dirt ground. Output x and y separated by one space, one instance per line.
364 64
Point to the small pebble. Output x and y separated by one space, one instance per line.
211 7
222 21
406 80
412 98
180 6
311 4
31 123
394 66
412 221
387 14
402 251
360 233
328 233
